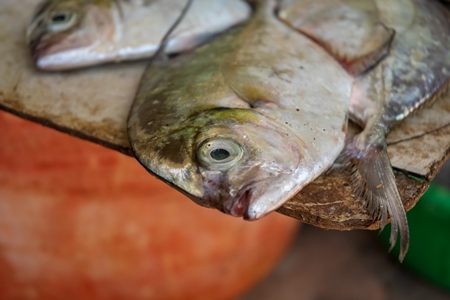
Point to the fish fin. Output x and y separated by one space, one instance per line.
441 94
247 87
119 8
373 182
359 64
160 53
357 60
351 31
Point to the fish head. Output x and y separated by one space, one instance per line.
239 161
65 34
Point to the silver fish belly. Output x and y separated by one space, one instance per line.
245 122
68 34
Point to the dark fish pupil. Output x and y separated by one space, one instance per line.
59 18
220 154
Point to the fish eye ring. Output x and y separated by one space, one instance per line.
219 153
61 20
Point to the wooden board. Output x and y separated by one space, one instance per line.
93 104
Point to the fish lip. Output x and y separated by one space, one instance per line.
45 52
252 214
37 47
272 199
39 50
41 46
238 205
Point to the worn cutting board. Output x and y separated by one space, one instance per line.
93 104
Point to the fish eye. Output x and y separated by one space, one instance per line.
61 20
219 153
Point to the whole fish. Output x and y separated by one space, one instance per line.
415 71
68 34
245 122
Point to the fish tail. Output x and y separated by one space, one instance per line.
374 184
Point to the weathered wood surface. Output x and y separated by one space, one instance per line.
93 104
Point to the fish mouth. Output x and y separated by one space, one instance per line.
36 44
54 54
42 46
39 50
258 200
238 206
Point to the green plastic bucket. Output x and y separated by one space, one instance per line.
429 225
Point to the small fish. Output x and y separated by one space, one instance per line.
415 71
245 122
68 34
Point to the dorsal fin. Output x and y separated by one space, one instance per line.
350 30
160 53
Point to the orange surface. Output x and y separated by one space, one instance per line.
78 221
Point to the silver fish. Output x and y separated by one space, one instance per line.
415 70
245 122
68 34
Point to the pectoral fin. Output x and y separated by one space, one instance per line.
249 88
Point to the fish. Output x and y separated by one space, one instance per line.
242 123
415 71
70 34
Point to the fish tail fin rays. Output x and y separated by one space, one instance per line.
373 182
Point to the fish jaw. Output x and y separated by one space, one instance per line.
88 41
53 55
255 202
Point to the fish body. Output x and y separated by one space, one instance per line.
414 71
68 34
245 122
